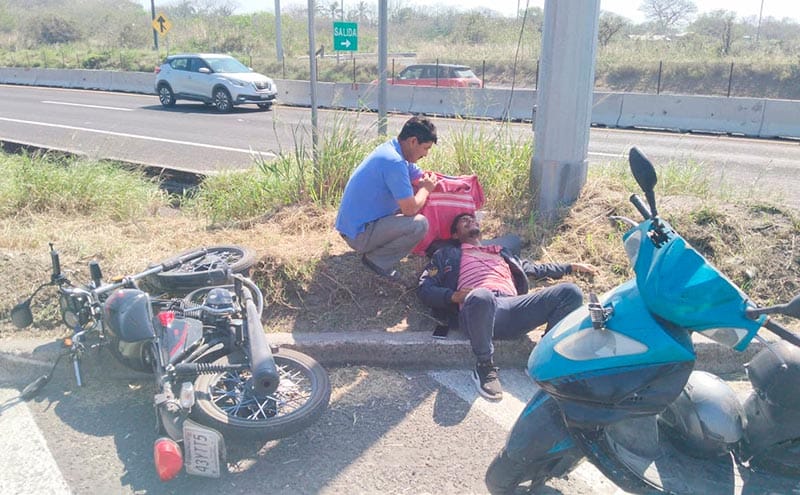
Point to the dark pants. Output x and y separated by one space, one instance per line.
485 316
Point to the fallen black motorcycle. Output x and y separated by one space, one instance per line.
217 378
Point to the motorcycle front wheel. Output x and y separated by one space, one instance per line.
226 402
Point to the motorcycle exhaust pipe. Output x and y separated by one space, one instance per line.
262 364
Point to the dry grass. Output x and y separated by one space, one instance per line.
314 282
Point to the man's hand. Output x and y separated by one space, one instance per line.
461 294
428 181
584 268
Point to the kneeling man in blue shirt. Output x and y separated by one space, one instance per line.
379 214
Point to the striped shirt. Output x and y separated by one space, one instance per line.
483 267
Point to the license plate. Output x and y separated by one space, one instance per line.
201 450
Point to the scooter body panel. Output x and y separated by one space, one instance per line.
677 284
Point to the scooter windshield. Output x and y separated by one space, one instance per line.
680 286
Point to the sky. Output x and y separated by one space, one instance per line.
628 8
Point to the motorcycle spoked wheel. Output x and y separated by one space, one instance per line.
195 274
225 401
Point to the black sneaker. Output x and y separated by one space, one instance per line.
488 384
387 274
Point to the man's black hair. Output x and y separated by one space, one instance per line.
420 128
454 225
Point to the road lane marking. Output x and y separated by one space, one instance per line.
26 464
517 390
87 106
600 153
138 136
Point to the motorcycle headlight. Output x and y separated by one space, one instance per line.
632 244
593 344
74 310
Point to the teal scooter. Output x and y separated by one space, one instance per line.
616 383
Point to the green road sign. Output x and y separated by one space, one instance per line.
345 36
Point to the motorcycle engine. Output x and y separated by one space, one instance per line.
706 420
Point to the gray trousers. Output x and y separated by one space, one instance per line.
387 240
485 316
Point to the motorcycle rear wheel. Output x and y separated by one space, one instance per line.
198 273
226 403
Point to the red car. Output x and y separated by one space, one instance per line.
439 75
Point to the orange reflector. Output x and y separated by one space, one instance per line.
67 342
168 458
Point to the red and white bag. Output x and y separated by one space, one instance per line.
451 196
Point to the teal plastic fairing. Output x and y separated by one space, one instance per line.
631 319
680 286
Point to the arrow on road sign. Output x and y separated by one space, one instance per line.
346 43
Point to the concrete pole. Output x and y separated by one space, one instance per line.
564 103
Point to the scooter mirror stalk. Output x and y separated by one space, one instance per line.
645 174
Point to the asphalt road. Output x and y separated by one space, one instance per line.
194 137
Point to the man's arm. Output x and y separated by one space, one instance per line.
410 206
432 290
555 270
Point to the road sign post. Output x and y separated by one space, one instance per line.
345 36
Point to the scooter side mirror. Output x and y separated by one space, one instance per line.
792 308
645 175
21 314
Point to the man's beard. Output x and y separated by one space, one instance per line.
474 232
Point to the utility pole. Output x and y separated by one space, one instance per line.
383 41
278 35
760 12
312 59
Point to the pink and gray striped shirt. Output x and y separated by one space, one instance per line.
483 267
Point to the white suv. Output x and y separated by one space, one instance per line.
214 79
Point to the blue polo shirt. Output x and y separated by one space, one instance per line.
374 188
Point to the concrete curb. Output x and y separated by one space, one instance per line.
409 349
